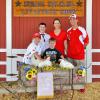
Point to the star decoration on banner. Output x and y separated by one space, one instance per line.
18 3
79 3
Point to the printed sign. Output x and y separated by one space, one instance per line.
45 87
40 8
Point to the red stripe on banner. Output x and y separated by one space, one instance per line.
96 69
96 57
2 56
96 80
2 69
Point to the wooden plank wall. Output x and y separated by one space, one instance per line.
96 37
2 36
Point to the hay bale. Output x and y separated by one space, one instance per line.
92 93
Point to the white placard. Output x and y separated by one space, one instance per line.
45 87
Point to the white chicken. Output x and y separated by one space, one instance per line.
66 64
45 63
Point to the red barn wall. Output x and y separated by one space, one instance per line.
96 37
2 36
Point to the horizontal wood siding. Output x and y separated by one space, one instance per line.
2 69
96 57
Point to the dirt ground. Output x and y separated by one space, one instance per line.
92 92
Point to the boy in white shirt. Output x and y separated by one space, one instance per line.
44 36
33 51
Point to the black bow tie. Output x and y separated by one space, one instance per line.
43 36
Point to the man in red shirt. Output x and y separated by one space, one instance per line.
77 39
